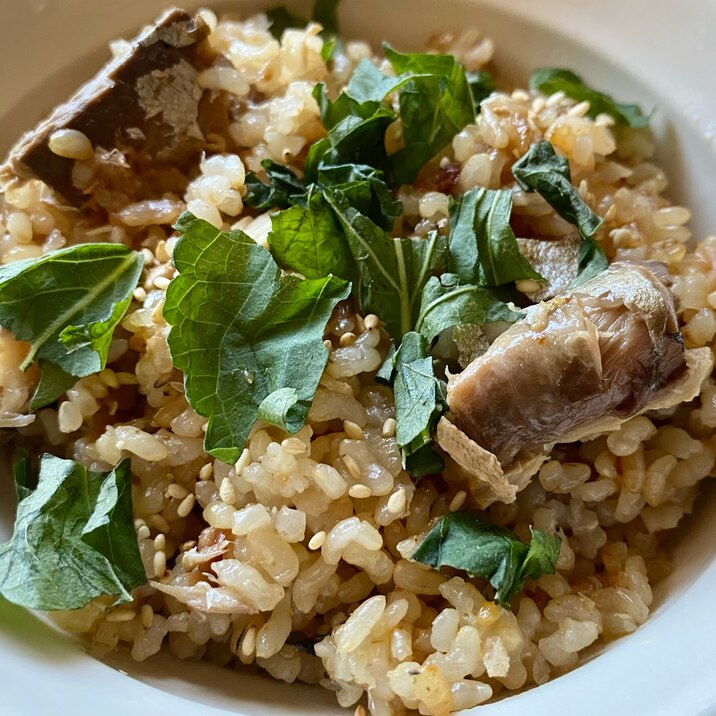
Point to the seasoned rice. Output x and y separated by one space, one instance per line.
309 536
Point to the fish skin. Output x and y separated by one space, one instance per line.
603 349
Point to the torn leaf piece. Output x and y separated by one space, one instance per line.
73 538
249 340
66 305
462 540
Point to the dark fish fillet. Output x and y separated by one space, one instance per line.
603 349
145 102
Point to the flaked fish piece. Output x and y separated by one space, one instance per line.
145 102
556 260
593 357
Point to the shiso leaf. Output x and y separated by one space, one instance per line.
73 538
543 171
463 541
249 340
550 80
483 247
66 305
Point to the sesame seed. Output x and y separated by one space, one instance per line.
186 505
186 546
160 563
143 532
206 471
360 710
243 461
178 492
161 252
160 522
148 256
316 542
147 615
70 144
347 339
294 446
396 502
388 429
352 430
458 501
121 615
227 491
161 282
527 285
360 492
160 541
352 467
248 644
109 378
328 344
140 295
371 321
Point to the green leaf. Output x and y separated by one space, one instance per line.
25 482
549 80
543 171
73 539
424 461
483 248
356 132
435 104
482 85
463 541
66 304
284 188
391 272
53 383
310 241
419 395
447 302
365 188
241 332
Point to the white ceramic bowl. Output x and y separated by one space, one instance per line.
657 52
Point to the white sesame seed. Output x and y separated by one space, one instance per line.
161 282
109 378
243 461
227 491
121 615
388 429
248 644
69 417
161 252
206 472
140 295
186 546
352 467
396 502
147 615
328 344
143 532
70 144
160 541
458 501
186 505
347 339
294 446
160 563
352 430
160 522
139 522
178 492
360 492
316 542
371 321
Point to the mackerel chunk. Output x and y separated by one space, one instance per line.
144 103
600 351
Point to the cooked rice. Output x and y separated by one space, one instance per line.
311 534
